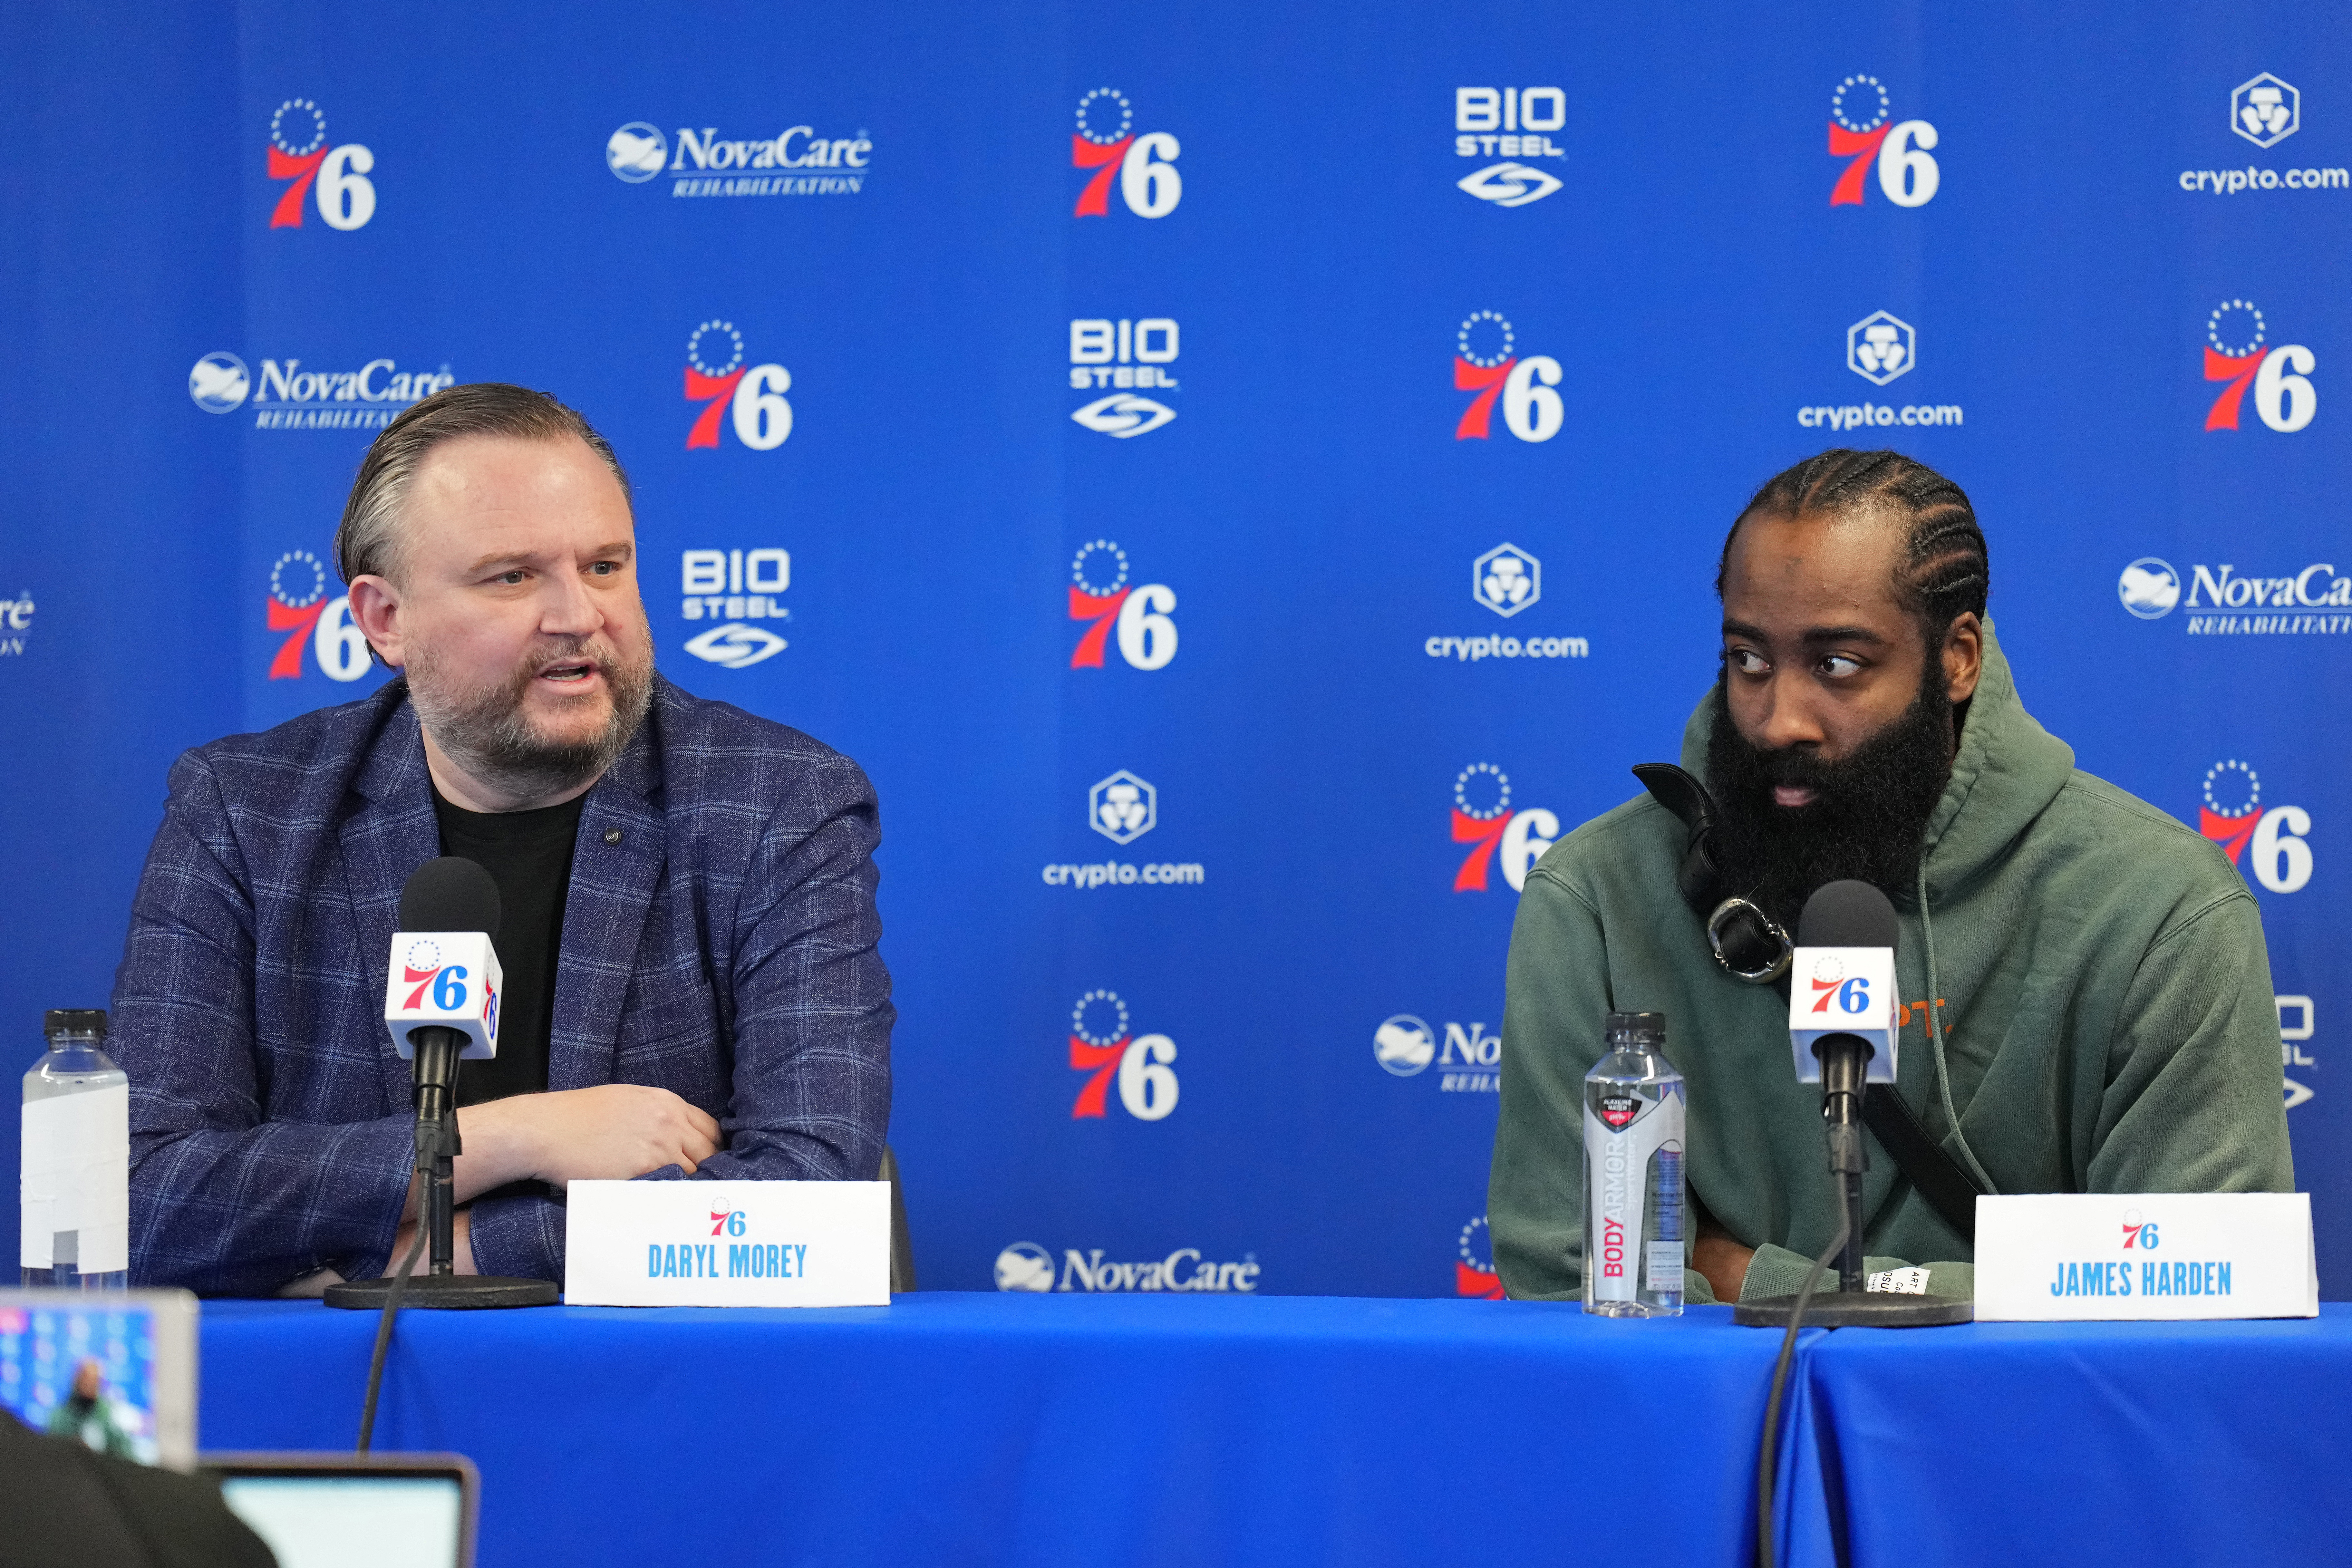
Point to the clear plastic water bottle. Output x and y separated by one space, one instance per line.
76 1204
1633 1110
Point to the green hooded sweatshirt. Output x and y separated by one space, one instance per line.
2106 1001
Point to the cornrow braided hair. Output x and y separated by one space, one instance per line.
1946 571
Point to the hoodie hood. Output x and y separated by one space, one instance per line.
2007 770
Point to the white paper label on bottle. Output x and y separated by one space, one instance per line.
1665 1267
76 1178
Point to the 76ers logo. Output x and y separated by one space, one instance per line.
1099 594
1146 164
1859 131
1487 361
1483 819
2285 398
2233 817
299 152
717 378
300 608
1100 1046
1474 1264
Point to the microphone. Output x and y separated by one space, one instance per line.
1841 1026
441 1006
1842 1030
442 984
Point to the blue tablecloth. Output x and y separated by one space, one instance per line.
2078 1443
1021 1429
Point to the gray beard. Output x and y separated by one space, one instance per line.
487 734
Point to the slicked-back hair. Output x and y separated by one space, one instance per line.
1945 571
369 540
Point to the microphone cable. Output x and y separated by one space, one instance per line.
384 1332
1764 1453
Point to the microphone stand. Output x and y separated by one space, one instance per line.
1845 1067
439 1144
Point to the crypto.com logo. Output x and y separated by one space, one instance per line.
1483 819
299 606
1123 807
2232 816
1105 141
2285 398
753 395
1506 579
1100 1046
1475 1274
2265 111
1880 347
1490 120
1859 131
299 152
1123 353
1487 361
1099 594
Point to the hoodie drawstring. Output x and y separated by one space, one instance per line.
1936 1035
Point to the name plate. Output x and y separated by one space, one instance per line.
2089 1256
727 1244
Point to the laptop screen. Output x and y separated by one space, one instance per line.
353 1521
111 1369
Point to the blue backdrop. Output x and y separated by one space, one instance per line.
1242 481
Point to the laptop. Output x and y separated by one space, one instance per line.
355 1511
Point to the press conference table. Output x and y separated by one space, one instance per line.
980 1428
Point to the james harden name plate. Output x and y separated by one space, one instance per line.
2149 1254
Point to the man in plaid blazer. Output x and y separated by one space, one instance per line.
718 1008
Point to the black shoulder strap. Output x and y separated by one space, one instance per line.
1948 1187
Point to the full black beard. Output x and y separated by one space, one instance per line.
1866 818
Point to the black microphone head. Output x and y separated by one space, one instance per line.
1847 914
452 894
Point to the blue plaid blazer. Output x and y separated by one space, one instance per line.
719 941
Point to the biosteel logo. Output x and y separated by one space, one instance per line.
300 156
1105 143
1100 595
2233 817
1486 361
1123 355
1864 130
299 608
714 582
1102 1046
752 396
1510 122
2285 398
1475 1274
1483 819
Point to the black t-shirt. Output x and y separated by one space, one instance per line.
528 854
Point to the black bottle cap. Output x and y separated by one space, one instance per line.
1637 1028
74 1021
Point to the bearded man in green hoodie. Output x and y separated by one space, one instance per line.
2100 1017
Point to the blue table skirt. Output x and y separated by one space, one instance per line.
953 1429
2079 1442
